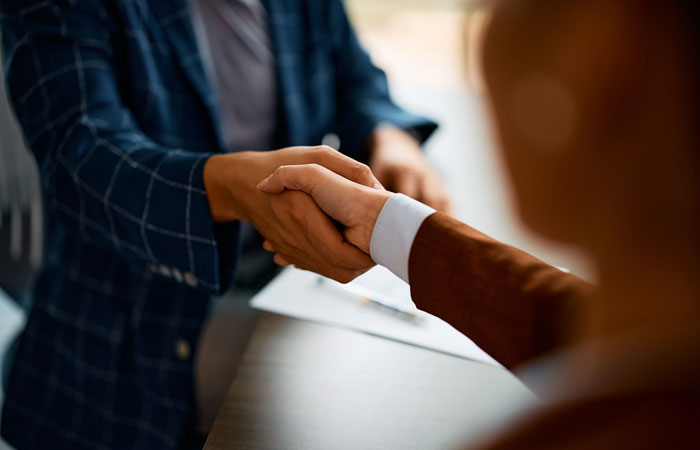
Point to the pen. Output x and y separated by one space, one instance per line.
375 300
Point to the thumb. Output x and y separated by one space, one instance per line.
295 178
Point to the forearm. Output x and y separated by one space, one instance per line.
122 192
226 190
509 303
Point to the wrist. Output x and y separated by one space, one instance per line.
387 135
217 193
228 187
371 207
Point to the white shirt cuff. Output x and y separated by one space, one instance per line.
394 233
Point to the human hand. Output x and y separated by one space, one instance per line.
231 179
292 223
398 163
355 206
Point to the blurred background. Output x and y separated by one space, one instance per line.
422 42
430 50
20 225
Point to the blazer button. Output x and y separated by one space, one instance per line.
191 280
183 349
165 271
177 275
331 140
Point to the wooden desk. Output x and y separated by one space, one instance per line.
304 386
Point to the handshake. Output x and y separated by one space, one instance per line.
293 196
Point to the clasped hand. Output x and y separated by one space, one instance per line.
355 206
303 189
296 226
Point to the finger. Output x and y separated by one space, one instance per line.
451 209
344 166
321 266
334 249
310 241
354 258
267 246
385 176
435 195
340 275
346 276
338 197
281 261
409 184
447 207
443 206
320 236
297 178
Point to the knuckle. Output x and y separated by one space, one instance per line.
297 206
296 214
278 173
321 151
366 173
317 172
325 149
343 277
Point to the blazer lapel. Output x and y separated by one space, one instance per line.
286 28
175 19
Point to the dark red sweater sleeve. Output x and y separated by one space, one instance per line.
511 304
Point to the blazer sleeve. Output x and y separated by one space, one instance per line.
102 176
514 306
363 96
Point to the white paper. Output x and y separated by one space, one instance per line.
307 296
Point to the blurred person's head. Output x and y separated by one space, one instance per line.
596 103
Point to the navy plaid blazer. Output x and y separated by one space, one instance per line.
114 102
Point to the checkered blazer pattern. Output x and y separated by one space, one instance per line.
114 102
